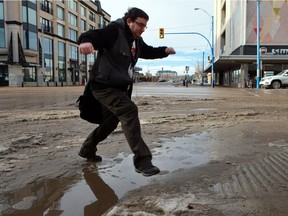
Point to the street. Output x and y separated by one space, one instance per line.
221 151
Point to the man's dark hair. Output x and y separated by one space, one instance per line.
133 13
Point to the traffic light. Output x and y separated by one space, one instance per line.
161 33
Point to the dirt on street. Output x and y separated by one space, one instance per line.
236 139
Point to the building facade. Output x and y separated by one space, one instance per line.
38 41
235 31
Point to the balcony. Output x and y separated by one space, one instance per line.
46 8
48 29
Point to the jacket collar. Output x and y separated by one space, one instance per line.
120 23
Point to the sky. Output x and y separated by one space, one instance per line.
175 16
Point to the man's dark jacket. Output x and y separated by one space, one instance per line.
114 57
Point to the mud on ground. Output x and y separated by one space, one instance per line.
247 173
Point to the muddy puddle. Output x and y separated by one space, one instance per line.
101 185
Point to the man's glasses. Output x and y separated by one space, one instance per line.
141 25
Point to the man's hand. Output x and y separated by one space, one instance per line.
170 50
86 48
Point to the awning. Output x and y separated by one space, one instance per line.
224 63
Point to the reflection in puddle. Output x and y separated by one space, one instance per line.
101 185
64 196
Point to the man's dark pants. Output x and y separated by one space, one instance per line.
119 107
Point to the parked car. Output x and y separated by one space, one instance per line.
277 81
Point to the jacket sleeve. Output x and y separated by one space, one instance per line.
100 38
149 52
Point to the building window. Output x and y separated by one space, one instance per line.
32 16
29 17
61 62
2 29
47 47
83 11
73 64
101 22
91 16
72 4
2 11
29 40
60 13
29 74
72 34
83 59
83 25
61 30
72 19
91 27
2 35
73 54
47 25
46 6
236 76
91 59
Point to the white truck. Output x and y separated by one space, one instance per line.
277 81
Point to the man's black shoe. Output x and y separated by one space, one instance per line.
149 170
94 158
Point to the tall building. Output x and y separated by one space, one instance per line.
38 41
236 40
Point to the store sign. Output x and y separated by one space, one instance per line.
280 51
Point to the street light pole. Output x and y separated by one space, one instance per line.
212 45
258 45
212 67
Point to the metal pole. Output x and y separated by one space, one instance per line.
211 45
258 44
203 63
212 50
202 81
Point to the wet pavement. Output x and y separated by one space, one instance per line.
101 185
34 97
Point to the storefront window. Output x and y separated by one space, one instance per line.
236 76
61 62
29 74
